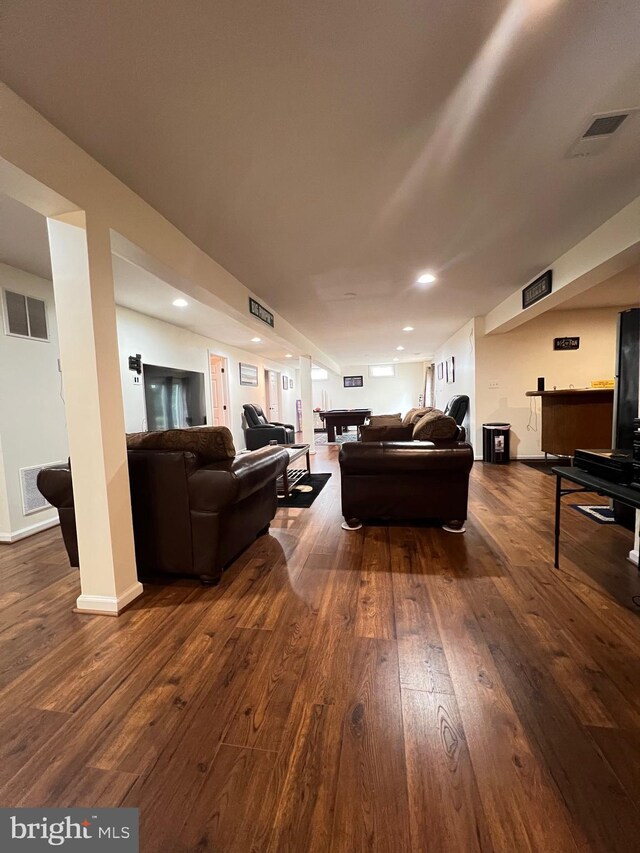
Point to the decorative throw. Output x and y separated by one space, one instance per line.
414 415
211 443
435 426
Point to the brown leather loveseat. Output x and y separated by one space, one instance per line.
406 481
191 515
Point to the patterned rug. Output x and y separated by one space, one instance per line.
601 514
321 437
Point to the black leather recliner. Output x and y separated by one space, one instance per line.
457 408
258 432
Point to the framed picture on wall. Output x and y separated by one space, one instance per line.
440 370
291 383
451 369
248 374
353 381
285 383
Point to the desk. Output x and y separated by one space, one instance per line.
575 418
627 495
336 419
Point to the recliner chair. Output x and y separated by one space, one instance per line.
457 408
258 432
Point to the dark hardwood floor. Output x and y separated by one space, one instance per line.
392 689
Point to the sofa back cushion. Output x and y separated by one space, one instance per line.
435 426
211 444
385 420
414 415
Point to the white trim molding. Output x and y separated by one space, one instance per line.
108 605
634 557
24 532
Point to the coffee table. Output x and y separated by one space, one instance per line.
292 476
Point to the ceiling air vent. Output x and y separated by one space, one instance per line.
604 125
597 137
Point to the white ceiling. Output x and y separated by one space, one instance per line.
619 291
318 149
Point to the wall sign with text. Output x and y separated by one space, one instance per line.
537 290
563 344
260 312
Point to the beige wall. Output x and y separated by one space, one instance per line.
508 365
172 346
461 347
32 415
383 395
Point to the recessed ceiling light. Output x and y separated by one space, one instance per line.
256 340
408 329
399 349
288 355
426 278
180 303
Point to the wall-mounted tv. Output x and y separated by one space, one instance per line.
174 398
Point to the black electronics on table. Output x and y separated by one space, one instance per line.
636 453
616 466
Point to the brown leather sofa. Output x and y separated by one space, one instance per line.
190 517
406 481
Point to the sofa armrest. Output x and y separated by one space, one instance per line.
216 486
54 483
371 432
286 426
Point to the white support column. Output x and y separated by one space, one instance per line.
306 395
85 307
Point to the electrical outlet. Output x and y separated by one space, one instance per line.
494 385
136 379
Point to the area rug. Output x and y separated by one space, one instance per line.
545 467
321 438
305 493
601 514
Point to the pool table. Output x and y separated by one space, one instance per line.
336 419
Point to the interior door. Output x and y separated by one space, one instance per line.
219 390
272 383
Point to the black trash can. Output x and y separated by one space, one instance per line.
495 443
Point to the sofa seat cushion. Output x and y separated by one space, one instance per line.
211 444
435 426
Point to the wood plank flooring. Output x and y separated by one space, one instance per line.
392 689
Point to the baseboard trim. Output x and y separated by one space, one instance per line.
108 605
32 529
634 557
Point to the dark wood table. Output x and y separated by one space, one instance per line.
586 482
575 417
336 419
291 477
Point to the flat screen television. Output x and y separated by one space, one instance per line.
174 398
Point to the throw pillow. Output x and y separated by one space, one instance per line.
385 420
435 426
211 443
